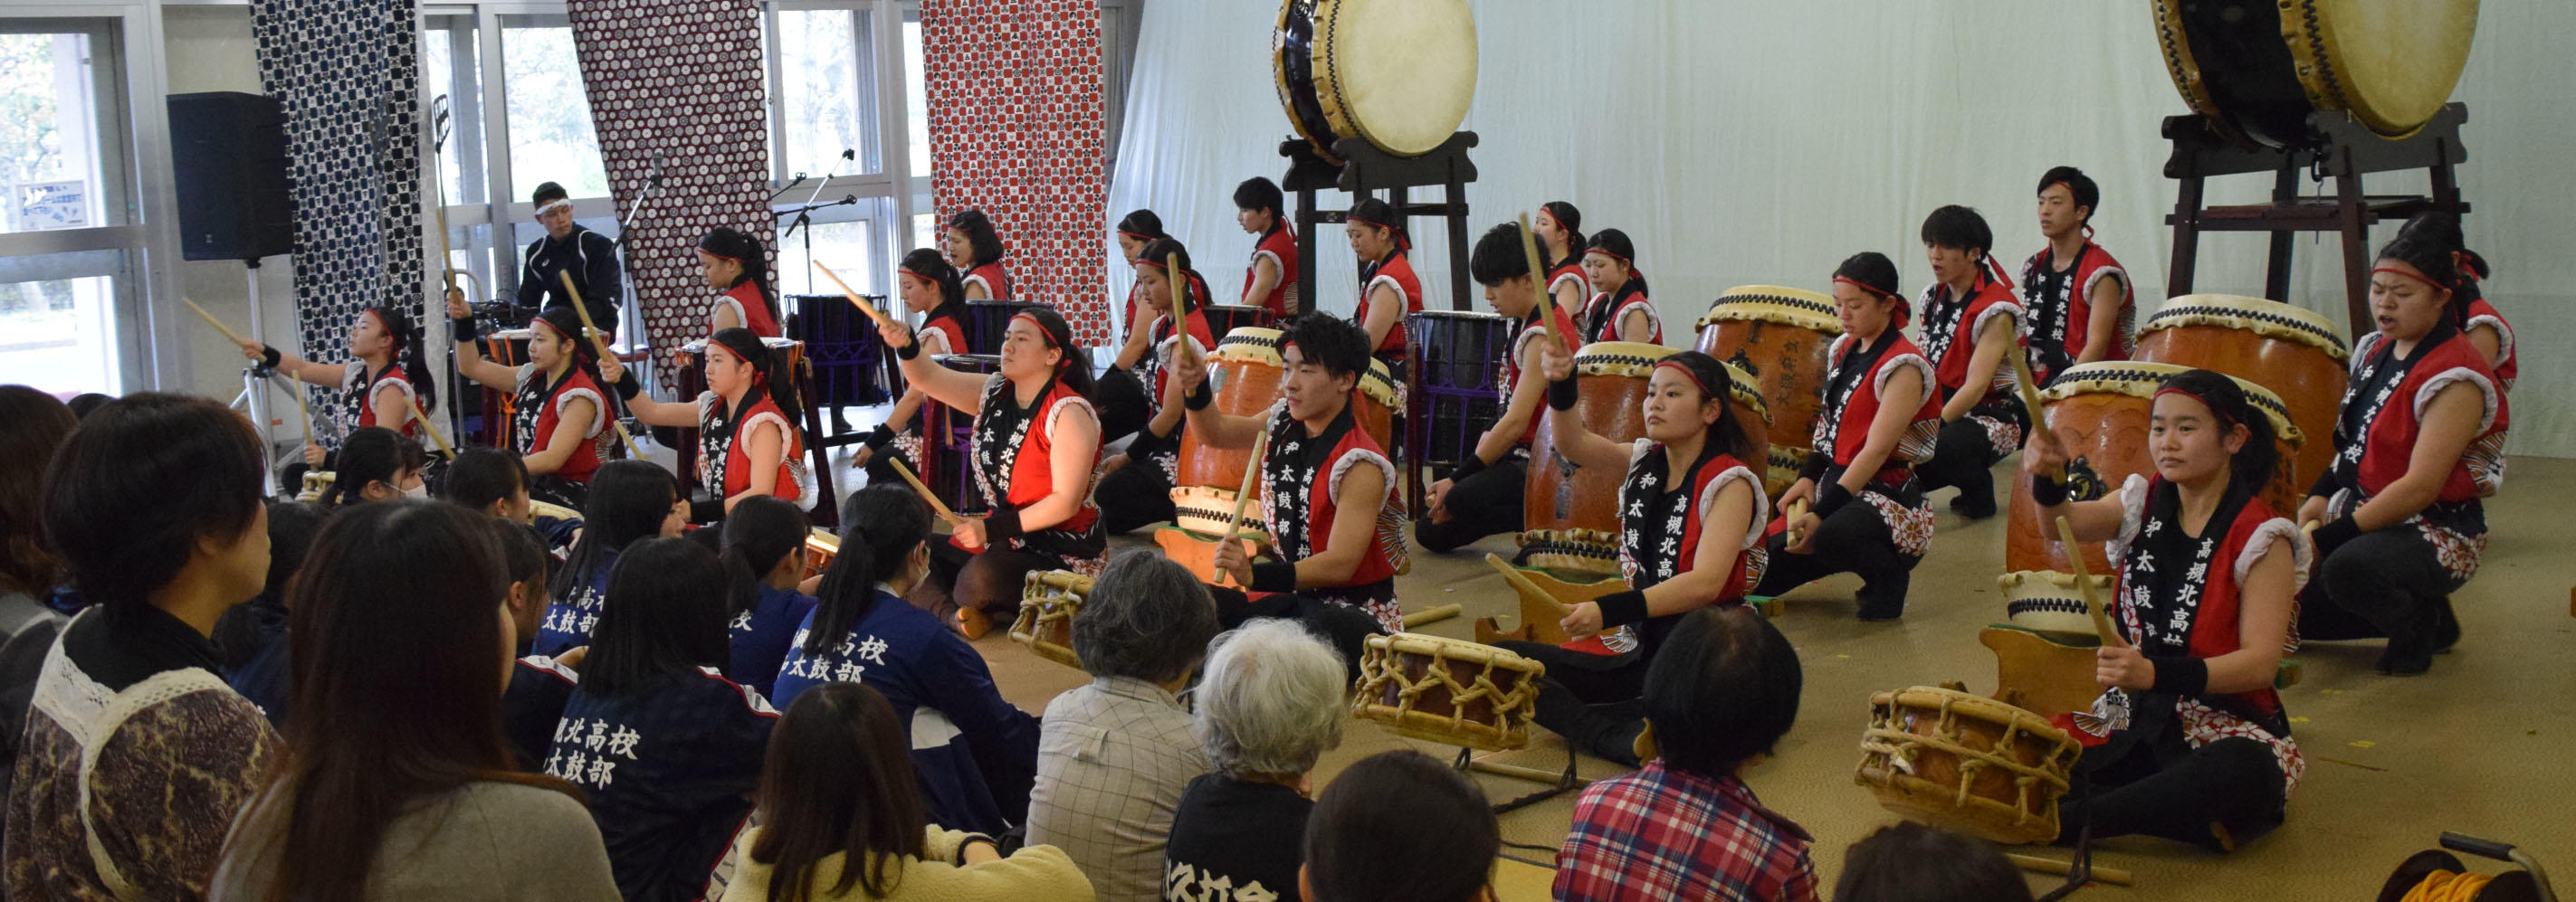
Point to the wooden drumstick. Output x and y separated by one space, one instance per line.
1797 510
936 506
2042 865
423 419
591 330
2028 387
1538 279
1431 615
212 321
1251 480
305 414
1522 582
2084 583
855 299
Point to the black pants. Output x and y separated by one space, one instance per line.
1853 540
990 580
1136 495
1591 700
1963 457
1123 405
1344 627
1479 505
2384 583
2178 794
881 462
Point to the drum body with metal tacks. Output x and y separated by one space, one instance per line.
820 548
1243 376
1454 364
2102 412
2051 603
1966 762
944 445
1448 691
1780 336
2258 68
2299 355
1571 513
1049 599
987 320
1396 73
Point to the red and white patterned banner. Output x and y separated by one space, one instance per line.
679 80
1016 130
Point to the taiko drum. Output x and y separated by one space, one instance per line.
1779 336
1572 513
2294 353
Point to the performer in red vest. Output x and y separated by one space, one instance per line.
2080 302
736 264
1388 287
1560 243
748 443
1483 493
1970 321
1137 490
2189 741
1620 311
387 375
977 251
929 288
560 415
1270 280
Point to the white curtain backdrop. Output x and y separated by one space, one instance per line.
1743 143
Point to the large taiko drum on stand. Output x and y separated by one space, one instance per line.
2258 68
1779 336
1572 513
2102 411
2295 353
1396 73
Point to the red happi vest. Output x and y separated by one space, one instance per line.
2092 265
1321 505
2482 313
1525 333
2214 628
539 439
1846 419
2396 426
749 307
949 331
1605 310
366 406
1032 473
737 452
1958 342
997 284
1281 247
1395 270
1651 553
1570 270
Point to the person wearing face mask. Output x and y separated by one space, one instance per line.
569 247
376 464
1876 422
1484 492
1970 321
1035 439
561 417
748 443
632 500
1138 487
2400 523
1620 309
974 771
737 264
1270 279
2189 741
385 377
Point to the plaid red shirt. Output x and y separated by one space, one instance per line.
1660 834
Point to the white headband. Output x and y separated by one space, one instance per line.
565 203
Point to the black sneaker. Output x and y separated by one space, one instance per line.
2404 658
2446 630
1884 602
1974 505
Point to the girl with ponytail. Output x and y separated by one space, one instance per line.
1620 310
738 265
1032 450
748 443
2207 577
1560 241
385 377
1389 289
930 288
1270 280
862 629
1132 496
2479 320
764 560
560 423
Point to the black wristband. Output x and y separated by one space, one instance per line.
971 839
1273 576
878 437
1467 465
2337 531
2047 491
908 351
2325 485
1562 393
1003 524
628 388
464 330
1621 608
269 357
2179 674
1831 498
1199 397
1818 463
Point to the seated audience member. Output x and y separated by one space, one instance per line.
129 704
1400 825
496 482
1270 704
764 558
410 794
88 403
973 753
1910 862
376 464
630 500
838 824
668 749
539 685
32 425
252 636
1720 694
1115 756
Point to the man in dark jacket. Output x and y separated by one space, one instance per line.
590 257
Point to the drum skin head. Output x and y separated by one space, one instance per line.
2392 63
1399 73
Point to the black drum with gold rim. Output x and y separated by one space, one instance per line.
2257 68
1396 73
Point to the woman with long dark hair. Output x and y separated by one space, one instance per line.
748 442
2420 440
668 749
1137 489
737 264
861 630
1389 289
386 375
1135 230
376 464
1270 280
976 250
1619 310
1035 440
561 416
1878 419
32 425
632 500
402 646
2189 741
837 823
1561 246
764 558
929 288
1691 514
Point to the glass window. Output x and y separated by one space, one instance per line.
847 247
551 139
916 118
61 138
450 77
58 321
828 102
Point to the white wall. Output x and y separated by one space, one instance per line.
1762 143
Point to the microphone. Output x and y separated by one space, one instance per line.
849 154
847 199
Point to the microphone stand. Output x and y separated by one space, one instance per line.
804 218
626 265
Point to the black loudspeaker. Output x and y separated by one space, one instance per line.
229 151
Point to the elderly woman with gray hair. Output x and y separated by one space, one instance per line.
1270 703
1115 756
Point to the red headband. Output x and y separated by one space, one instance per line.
1688 374
718 256
1998 270
2411 274
2467 264
1401 243
1149 261
1873 289
2223 418
1140 236
1606 252
1042 333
